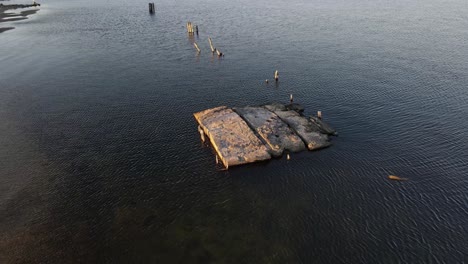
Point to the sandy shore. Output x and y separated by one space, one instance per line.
9 17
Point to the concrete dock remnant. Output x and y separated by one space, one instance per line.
231 137
324 127
305 129
249 134
277 135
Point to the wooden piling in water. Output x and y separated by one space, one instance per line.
319 114
196 46
211 45
151 8
276 75
189 27
202 133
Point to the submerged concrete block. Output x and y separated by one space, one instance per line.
231 137
251 134
274 132
275 107
324 128
307 130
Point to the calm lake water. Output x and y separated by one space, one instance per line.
101 161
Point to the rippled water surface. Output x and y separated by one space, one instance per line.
101 161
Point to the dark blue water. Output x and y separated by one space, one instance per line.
101 161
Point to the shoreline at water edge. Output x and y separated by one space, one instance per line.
10 17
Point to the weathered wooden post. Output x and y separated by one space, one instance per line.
151 8
291 98
196 46
276 75
189 27
319 114
202 133
211 45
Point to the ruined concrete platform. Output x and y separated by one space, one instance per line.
231 137
308 131
277 135
256 133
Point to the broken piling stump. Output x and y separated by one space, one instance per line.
196 46
189 27
256 133
211 45
151 8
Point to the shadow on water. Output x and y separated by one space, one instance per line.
232 226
